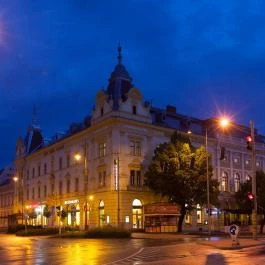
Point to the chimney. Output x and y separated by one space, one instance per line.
171 109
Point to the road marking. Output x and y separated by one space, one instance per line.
125 259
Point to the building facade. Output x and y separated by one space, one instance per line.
94 173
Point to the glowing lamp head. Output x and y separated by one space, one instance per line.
224 122
77 156
15 178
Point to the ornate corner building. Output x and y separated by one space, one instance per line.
94 172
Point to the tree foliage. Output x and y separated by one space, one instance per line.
244 204
178 172
46 211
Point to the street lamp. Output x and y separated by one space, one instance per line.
78 157
117 186
223 123
20 194
254 183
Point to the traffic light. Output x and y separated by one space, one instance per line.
222 155
250 196
249 142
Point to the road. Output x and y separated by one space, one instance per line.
181 251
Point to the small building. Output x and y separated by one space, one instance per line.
161 217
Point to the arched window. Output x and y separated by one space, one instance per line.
101 213
237 182
224 181
137 214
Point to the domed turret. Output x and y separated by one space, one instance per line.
120 82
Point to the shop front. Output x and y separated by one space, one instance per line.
72 211
161 217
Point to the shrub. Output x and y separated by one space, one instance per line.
37 232
14 229
108 232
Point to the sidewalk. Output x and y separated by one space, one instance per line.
218 241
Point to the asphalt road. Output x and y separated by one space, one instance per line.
181 251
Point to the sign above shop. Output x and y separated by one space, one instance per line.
71 201
161 208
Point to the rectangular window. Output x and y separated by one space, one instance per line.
27 174
135 148
45 169
68 160
33 172
33 194
138 178
76 184
38 192
132 177
38 170
27 194
102 149
102 178
45 191
68 185
60 187
52 189
60 163
135 178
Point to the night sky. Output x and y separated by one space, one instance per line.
205 57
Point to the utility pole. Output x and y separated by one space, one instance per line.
208 183
254 184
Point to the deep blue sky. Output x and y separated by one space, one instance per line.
204 57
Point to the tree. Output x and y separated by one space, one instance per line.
178 172
245 205
46 211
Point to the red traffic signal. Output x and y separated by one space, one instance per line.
249 141
250 196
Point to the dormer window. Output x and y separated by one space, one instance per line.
102 111
134 109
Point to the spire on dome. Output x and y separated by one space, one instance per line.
119 53
35 122
120 82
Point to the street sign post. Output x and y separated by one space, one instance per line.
234 230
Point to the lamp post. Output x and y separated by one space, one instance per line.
254 184
78 157
117 186
20 193
208 182
223 123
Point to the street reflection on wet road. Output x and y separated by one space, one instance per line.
43 250
52 251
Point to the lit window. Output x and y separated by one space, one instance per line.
102 149
258 164
224 182
247 162
237 182
102 178
236 160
